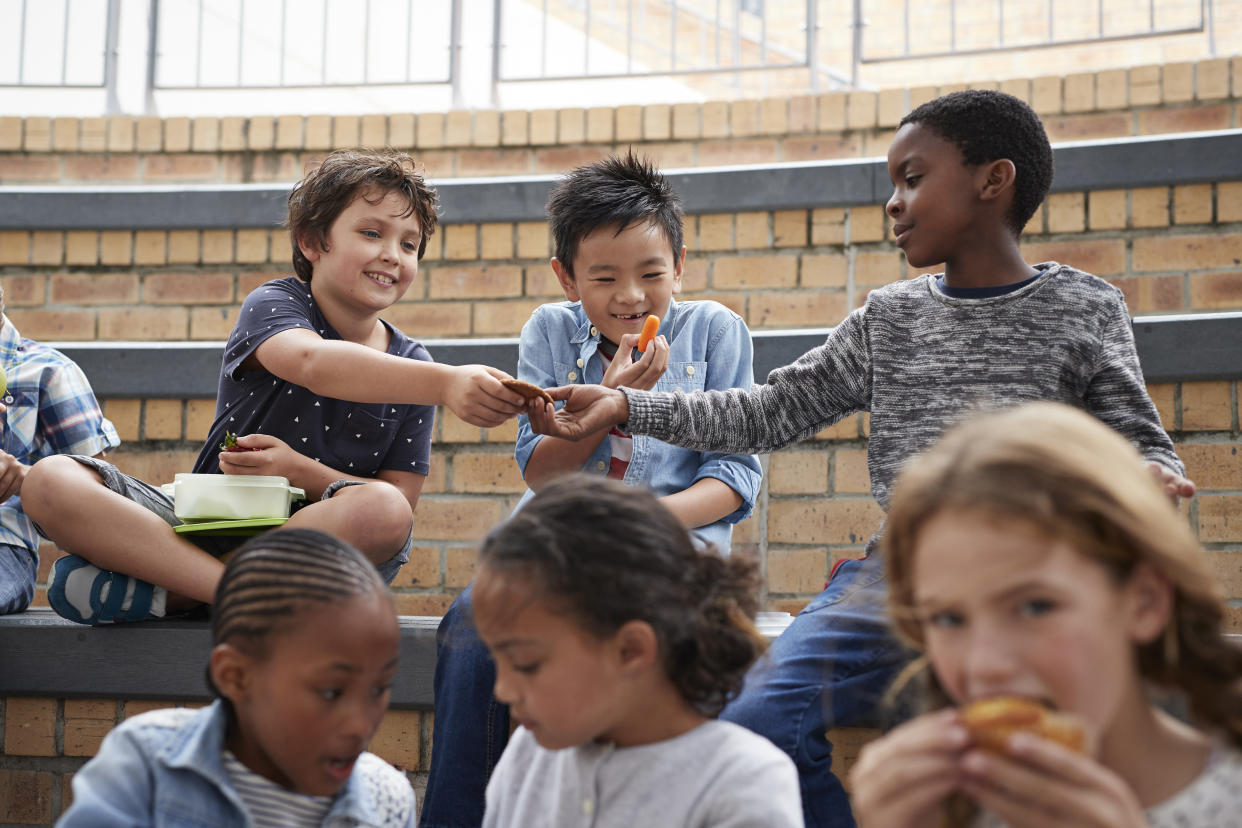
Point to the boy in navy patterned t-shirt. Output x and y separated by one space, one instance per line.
321 390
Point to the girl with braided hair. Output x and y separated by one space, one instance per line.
304 648
616 644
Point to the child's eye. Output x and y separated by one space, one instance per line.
370 234
1035 607
330 694
380 689
912 180
527 669
652 275
410 247
945 619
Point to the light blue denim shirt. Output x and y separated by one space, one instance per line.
165 768
709 348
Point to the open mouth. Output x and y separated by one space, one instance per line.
340 767
383 278
629 317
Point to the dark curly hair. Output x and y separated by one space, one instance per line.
986 126
318 199
605 553
614 192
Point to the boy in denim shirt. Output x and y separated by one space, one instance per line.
969 170
617 227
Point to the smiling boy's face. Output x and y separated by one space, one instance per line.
622 278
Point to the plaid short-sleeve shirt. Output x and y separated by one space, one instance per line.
51 410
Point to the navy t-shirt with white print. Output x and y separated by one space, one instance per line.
358 439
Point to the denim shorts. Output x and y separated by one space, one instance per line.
154 500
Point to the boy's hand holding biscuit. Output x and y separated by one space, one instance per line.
477 394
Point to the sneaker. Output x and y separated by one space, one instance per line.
85 594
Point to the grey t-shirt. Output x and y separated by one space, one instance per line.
920 360
718 774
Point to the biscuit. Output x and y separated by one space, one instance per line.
526 389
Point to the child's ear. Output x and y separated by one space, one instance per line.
998 177
230 671
678 270
638 646
1149 598
310 248
568 285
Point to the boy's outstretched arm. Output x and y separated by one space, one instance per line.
1174 485
587 409
349 371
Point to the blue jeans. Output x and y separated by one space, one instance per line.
471 728
830 668
18 570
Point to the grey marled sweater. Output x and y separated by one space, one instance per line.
919 361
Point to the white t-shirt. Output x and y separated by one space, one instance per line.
718 775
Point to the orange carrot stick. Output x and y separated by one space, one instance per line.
649 331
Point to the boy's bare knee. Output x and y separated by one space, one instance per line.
380 511
53 479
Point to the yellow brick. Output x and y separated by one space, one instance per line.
715 119
867 224
289 132
87 721
532 240
1192 204
802 115
217 246
150 247
183 247
686 121
600 124
318 134
233 134
1206 406
81 247
30 727
861 110
461 241
1018 87
116 247
14 247
251 246
126 415
571 125
1164 395
47 247
789 228
832 112
1066 213
65 134
486 128
797 570
850 474
1220 519
37 134
752 231
478 473
828 226
496 241
94 135
716 232
773 116
373 130
397 739
798 472
1149 207
162 420
1178 81
1046 95
431 130
516 124
176 134
629 123
823 521
1229 201
891 107
457 128
1080 92
199 415
1106 209
206 135
1111 89
657 122
1144 85
261 133
401 128
10 133
743 118
543 127
346 130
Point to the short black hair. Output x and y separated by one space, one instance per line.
986 126
615 191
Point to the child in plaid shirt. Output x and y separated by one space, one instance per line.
49 409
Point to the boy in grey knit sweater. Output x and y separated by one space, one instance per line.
968 171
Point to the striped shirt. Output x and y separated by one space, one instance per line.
51 410
271 805
920 361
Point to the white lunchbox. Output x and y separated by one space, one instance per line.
231 496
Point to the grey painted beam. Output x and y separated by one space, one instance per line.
1085 165
45 655
1171 348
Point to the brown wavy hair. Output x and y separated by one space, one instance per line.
605 553
1073 479
318 199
